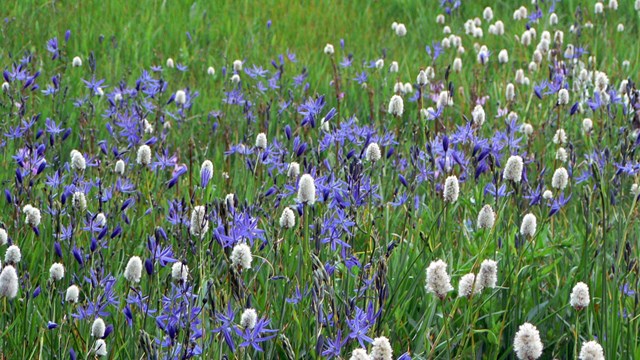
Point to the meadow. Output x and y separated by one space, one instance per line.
363 180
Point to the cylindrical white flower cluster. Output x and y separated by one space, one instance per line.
438 281
241 256
527 343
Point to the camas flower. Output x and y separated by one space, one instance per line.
579 298
438 281
526 343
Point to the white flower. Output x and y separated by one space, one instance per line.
422 78
8 282
563 97
248 319
237 65
372 153
79 201
620 27
181 97
13 255
261 141
510 92
97 328
401 30
5 86
77 160
179 271
503 56
514 168
293 171
230 201
553 19
560 179
170 63
487 14
288 218
547 194
587 125
211 71
444 99
199 225
393 67
328 49
457 65
440 19
451 189
529 225
381 349
591 350
100 348
561 154
144 155
241 256
635 190
3 236
613 4
379 64
486 217
579 298
206 167
438 281
235 78
488 275
359 354
478 115
72 294
119 168
56 272
76 62
307 190
396 106
133 270
601 81
560 137
32 216
526 343
467 286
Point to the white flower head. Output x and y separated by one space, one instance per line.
79 201
561 154
468 286
513 169
393 68
211 71
401 30
261 141
381 349
119 168
451 189
170 63
56 272
591 350
76 62
98 328
179 271
478 115
72 294
527 343
144 155
488 275
587 125
529 225
249 319
133 270
560 179
563 97
181 97
486 217
8 282
396 106
359 354
373 153
307 190
199 225
293 171
288 218
328 49
241 256
4 237
78 162
438 281
100 348
13 255
237 65
579 298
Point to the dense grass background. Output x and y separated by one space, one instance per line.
593 239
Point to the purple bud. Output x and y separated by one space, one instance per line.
58 249
148 266
5 74
390 151
151 141
445 143
39 133
77 254
116 231
66 134
72 354
301 149
269 24
108 331
36 292
67 35
41 167
574 108
126 204
7 195
19 176
351 153
51 325
94 244
403 180
272 190
287 131
161 233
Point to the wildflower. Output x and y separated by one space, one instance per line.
613 4
486 217
527 129
503 56
328 49
560 179
563 97
401 30
32 216
3 236
379 64
526 343
514 168
438 281
119 168
580 296
100 348
100 220
206 172
451 189
170 63
181 97
293 171
79 201
77 161
97 328
8 282
76 62
547 194
211 71
467 286
372 153
179 271
478 115
287 219
396 106
457 65
635 190
487 14
620 28
561 154
133 270
307 190
13 255
440 19
248 319
393 68
199 225
359 354
510 92
444 99
560 137
144 155
237 65
381 349
56 272
553 19
422 78
235 78
488 275
529 225
591 350
72 294
261 141
229 201
241 256
5 86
